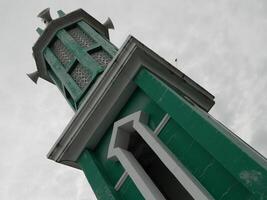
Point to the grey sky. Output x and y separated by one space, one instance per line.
222 45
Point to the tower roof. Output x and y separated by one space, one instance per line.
53 26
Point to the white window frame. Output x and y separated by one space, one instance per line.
119 142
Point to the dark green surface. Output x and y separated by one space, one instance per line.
96 177
226 166
201 164
60 74
80 53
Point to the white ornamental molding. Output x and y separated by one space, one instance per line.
137 123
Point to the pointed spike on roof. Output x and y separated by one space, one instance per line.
34 76
45 16
108 24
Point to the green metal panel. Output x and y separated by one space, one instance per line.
62 75
96 177
226 166
129 190
79 52
202 165
60 87
103 42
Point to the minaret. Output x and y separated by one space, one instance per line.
141 128
72 52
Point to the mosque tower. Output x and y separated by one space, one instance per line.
141 128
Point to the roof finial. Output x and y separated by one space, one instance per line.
108 24
34 76
45 16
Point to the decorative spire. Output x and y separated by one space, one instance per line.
45 16
34 76
108 24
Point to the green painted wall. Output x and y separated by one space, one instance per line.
96 176
201 164
226 166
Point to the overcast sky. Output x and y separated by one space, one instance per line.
222 45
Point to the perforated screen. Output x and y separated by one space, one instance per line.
80 76
61 52
101 57
80 37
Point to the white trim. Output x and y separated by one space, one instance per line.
162 124
142 181
118 151
158 129
121 181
